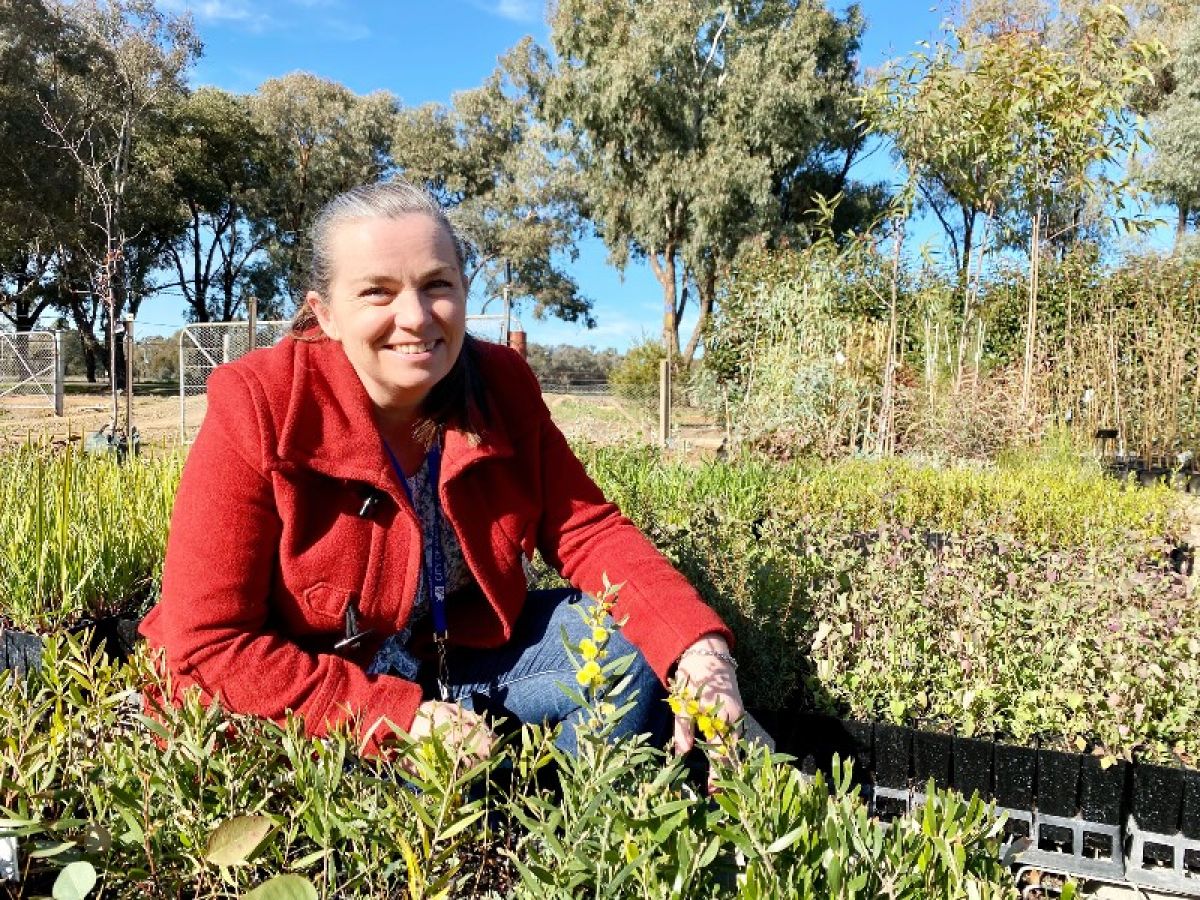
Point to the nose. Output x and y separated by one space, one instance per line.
411 310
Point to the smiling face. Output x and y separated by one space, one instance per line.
397 304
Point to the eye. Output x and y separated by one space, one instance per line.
375 292
440 284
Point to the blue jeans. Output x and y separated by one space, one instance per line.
523 679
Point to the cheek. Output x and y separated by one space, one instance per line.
453 315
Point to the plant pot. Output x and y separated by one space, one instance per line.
1102 791
1058 783
936 542
816 739
117 635
855 740
932 753
1189 819
1183 559
1015 768
19 650
863 541
805 736
973 767
1148 477
893 755
1157 800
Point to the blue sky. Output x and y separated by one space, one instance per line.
425 50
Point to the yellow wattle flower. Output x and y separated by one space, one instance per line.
599 635
590 675
588 649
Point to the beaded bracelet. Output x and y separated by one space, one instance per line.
704 651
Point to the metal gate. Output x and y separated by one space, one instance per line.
31 370
203 347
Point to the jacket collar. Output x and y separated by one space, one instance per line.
329 426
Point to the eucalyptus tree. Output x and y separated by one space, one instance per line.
701 126
137 60
1008 123
1174 169
499 170
324 139
36 209
220 164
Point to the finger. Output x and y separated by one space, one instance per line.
685 734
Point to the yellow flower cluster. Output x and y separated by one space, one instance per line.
591 649
685 702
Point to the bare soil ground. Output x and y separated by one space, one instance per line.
87 409
156 415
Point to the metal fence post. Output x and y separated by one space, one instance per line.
182 389
60 373
664 402
252 318
129 348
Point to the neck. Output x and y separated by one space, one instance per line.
396 426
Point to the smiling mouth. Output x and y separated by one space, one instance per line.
413 349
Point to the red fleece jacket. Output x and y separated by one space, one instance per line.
267 547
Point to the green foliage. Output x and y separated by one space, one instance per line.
789 346
699 126
1052 612
490 160
192 802
327 139
80 537
562 364
636 376
1174 172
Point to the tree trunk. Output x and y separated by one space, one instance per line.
706 289
665 271
1181 223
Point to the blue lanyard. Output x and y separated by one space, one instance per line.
435 562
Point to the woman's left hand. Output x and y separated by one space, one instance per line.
712 681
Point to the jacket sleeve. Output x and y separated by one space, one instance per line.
585 537
214 620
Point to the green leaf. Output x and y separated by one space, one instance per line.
75 881
235 840
284 887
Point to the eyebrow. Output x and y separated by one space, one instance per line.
377 278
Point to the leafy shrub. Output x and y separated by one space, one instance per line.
635 376
80 537
1051 613
198 803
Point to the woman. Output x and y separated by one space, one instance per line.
351 529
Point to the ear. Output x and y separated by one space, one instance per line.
321 310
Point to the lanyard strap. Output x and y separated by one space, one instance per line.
435 560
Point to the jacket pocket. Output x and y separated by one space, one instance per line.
325 603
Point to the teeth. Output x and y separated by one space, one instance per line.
409 349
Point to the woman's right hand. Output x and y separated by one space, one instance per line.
461 730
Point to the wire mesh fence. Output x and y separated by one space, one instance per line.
30 375
599 410
203 347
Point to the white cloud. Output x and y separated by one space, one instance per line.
240 12
513 10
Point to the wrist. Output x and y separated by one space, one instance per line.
712 641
